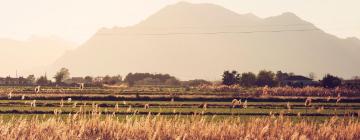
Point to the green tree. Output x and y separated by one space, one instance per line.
62 75
280 76
265 78
172 82
312 75
230 78
106 79
116 79
31 78
140 78
111 80
88 79
248 79
330 81
196 82
43 81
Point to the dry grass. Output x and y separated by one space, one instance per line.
192 127
284 91
313 91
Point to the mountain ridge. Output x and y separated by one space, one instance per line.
178 44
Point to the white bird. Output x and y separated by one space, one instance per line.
10 95
235 102
37 89
146 106
33 103
82 86
61 103
245 105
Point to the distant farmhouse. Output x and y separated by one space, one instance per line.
21 81
297 81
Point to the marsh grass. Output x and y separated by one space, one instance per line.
97 126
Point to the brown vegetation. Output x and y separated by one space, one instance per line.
192 127
283 91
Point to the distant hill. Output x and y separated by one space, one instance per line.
27 55
202 40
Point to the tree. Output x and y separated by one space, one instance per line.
111 80
106 79
43 81
356 78
116 79
129 79
31 78
230 78
62 75
149 81
280 76
140 78
196 82
88 79
172 82
330 81
266 78
312 76
291 74
248 79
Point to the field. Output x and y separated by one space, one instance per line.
191 127
198 113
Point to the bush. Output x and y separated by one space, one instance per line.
330 81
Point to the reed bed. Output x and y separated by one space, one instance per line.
78 127
283 91
202 90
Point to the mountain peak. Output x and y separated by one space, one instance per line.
286 18
200 32
189 14
183 3
289 14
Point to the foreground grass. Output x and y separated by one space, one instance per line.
157 110
190 127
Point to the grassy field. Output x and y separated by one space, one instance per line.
180 107
175 113
175 101
97 126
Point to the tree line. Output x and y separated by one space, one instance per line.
246 79
269 78
63 75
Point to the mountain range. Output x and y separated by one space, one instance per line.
202 40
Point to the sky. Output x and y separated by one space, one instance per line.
78 20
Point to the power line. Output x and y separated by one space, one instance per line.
211 33
239 26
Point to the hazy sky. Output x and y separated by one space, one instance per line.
77 20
